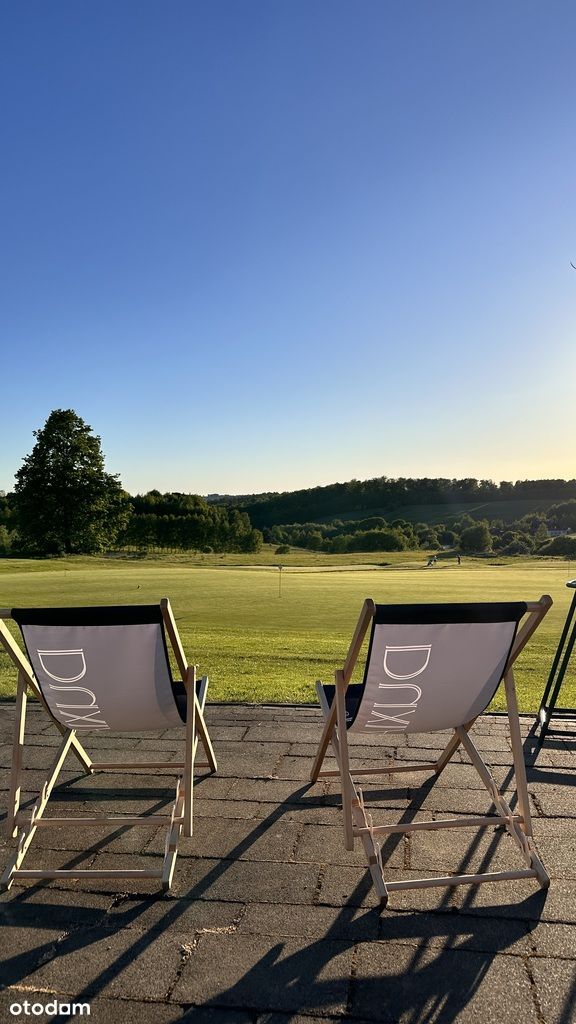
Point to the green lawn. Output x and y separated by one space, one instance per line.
259 646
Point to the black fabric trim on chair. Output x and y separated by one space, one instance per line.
181 698
353 697
429 614
104 615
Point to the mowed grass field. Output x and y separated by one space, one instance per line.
258 646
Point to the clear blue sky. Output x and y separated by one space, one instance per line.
266 244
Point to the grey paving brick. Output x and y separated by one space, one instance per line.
396 985
309 750
555 801
214 1015
555 982
24 947
212 787
100 838
248 971
216 879
242 839
426 754
520 899
269 904
257 759
463 851
291 1018
265 791
46 907
324 844
559 852
219 732
280 731
128 964
456 931
32 780
347 924
310 813
212 809
297 768
165 911
552 940
486 742
353 887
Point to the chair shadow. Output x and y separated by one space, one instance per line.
430 985
434 983
561 743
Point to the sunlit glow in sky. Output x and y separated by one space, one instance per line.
266 246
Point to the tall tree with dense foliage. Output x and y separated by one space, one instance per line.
65 503
476 538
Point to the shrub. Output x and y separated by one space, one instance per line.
559 546
518 546
378 540
476 538
283 549
563 516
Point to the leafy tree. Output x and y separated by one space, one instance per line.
519 546
446 537
378 540
372 523
476 538
563 516
5 542
541 534
340 543
313 540
463 523
65 503
428 539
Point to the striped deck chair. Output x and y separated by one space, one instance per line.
94 670
430 667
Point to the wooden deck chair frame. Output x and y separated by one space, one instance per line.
179 820
358 822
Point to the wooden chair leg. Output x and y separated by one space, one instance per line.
344 760
329 723
17 752
205 739
28 832
173 835
518 753
191 744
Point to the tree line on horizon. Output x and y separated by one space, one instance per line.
65 503
543 533
385 493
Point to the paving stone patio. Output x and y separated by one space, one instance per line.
270 920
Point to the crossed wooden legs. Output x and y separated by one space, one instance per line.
179 820
358 822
